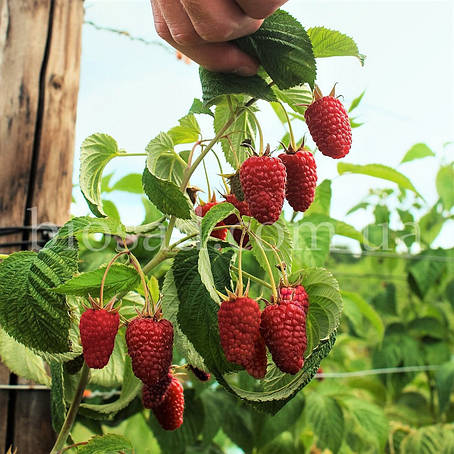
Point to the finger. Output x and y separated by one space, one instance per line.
219 20
259 9
178 23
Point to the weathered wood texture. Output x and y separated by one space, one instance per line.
40 45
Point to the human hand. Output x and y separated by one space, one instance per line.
202 29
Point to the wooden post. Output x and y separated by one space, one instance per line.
40 45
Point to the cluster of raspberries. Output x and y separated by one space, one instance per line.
266 181
245 331
150 344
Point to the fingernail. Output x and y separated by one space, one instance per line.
246 71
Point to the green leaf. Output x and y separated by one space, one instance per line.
369 421
243 128
325 304
95 153
356 101
276 235
176 441
331 43
301 94
444 380
215 215
355 305
129 183
57 400
445 185
166 196
322 200
163 161
215 403
426 270
170 304
327 420
378 171
130 388
188 130
86 225
120 278
29 312
199 108
22 361
106 444
197 312
312 238
112 374
284 49
216 85
426 440
417 151
429 226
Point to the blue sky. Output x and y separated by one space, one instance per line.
133 91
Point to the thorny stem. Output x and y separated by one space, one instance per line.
290 130
103 281
81 443
72 412
252 277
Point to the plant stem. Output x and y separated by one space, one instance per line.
259 128
72 412
139 270
267 264
252 277
127 155
145 228
207 180
103 281
240 264
290 130
156 260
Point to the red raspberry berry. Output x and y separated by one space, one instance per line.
232 219
329 126
263 182
256 367
199 373
296 294
239 330
98 328
202 210
169 412
150 343
154 395
283 326
301 178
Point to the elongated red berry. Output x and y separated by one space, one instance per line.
263 182
301 178
153 395
169 412
202 210
150 343
283 326
256 366
98 328
329 126
239 330
294 294
232 219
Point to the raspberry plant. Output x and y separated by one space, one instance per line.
170 295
